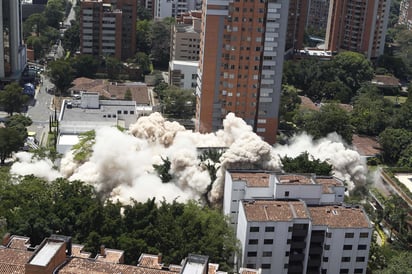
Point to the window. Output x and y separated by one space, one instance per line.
252 254
364 235
344 271
361 247
326 259
253 241
132 112
269 229
125 112
328 234
358 270
267 254
327 247
286 266
360 259
265 266
254 229
286 193
287 254
345 259
268 241
347 247
251 265
119 112
349 235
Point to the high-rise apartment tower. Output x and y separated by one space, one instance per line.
12 51
241 59
108 27
358 25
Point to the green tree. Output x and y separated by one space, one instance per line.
143 61
61 75
352 69
35 43
401 263
34 23
12 98
393 142
160 43
304 164
71 37
128 95
54 13
178 103
330 118
85 66
163 170
143 30
113 67
10 141
20 123
371 111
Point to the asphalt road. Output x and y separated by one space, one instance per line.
41 110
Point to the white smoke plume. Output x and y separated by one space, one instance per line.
121 164
28 164
346 163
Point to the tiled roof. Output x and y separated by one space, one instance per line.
111 90
111 256
19 242
328 183
295 179
339 217
87 266
13 261
252 179
272 210
307 103
366 146
149 260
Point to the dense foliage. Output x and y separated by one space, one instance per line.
304 164
12 98
36 208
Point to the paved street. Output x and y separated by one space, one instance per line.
41 111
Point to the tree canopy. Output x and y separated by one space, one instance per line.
61 74
36 208
12 98
304 164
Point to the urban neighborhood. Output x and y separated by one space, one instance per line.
206 136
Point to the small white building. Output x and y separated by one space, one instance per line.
293 223
314 190
292 237
183 74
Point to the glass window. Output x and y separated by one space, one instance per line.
360 259
253 241
349 235
252 254
364 235
267 254
345 259
269 229
347 247
265 266
361 247
254 229
268 241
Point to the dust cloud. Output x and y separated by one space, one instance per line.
121 164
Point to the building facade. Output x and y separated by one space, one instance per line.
405 14
183 74
185 38
291 237
13 57
318 12
358 26
241 60
173 8
108 28
290 223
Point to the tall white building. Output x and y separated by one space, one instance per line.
12 51
289 223
172 8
